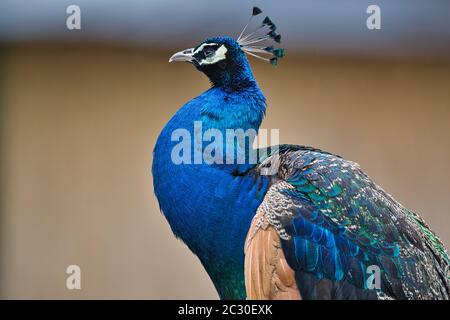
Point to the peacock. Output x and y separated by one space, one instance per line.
291 222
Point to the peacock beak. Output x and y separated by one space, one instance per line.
185 55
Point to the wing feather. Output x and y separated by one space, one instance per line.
267 273
334 222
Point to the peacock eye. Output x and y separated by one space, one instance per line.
208 52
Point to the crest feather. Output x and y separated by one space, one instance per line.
253 42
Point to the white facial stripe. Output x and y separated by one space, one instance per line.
200 48
219 54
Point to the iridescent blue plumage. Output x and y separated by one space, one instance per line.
334 222
338 224
207 206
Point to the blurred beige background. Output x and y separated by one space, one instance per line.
79 124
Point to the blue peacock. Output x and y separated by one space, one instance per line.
297 223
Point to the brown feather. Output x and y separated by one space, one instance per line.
267 274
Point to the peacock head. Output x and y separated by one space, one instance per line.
223 59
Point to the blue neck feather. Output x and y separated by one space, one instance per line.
209 208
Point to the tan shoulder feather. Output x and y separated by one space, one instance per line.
267 274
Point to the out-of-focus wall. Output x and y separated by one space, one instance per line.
79 127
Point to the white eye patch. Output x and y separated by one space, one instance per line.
219 54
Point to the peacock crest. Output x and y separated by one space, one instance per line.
256 43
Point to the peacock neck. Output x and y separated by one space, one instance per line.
207 206
236 77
